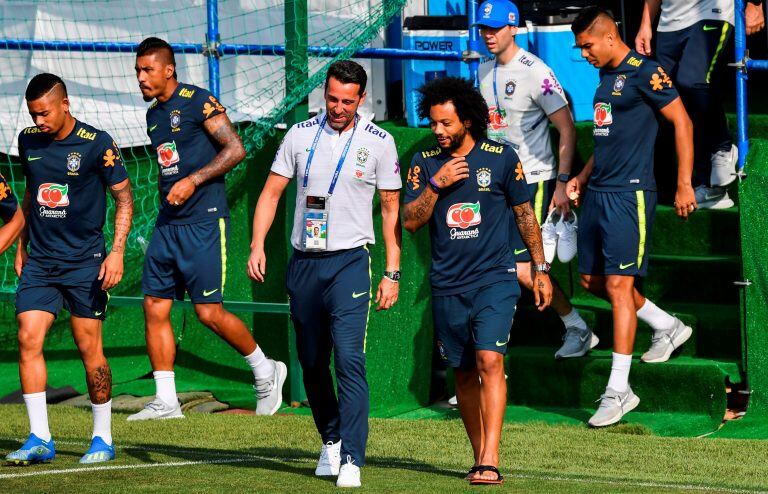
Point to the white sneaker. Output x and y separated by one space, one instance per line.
724 167
613 406
566 237
349 474
712 197
269 392
158 409
663 343
549 235
330 459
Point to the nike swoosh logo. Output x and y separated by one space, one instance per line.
34 158
501 343
358 295
209 292
153 128
97 314
710 28
519 251
625 266
584 338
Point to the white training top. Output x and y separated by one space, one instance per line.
680 14
371 163
527 91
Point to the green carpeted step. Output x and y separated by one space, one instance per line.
706 232
683 384
637 422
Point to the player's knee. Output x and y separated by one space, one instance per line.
617 288
154 309
589 283
349 364
489 363
209 314
30 342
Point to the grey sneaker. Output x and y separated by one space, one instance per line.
663 343
712 197
724 166
613 406
269 392
158 409
577 342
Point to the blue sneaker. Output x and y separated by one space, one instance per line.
35 450
98 452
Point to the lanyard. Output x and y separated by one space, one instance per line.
495 93
341 159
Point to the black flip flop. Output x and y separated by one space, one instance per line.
487 468
471 471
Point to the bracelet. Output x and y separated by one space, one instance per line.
433 184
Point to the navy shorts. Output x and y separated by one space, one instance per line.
614 232
187 258
541 195
49 288
480 319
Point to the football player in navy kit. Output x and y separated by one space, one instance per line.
196 146
618 191
466 189
68 166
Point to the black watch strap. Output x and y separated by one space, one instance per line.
563 177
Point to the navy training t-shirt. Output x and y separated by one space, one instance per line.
183 147
469 226
625 125
8 203
67 181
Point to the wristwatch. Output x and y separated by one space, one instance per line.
563 177
392 275
542 268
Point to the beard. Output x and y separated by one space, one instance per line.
456 140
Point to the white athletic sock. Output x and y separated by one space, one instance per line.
38 415
619 379
655 317
165 386
262 367
102 421
573 319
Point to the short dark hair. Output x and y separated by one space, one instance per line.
469 103
587 17
153 45
347 72
41 84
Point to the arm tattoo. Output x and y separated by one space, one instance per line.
100 384
389 196
232 151
123 196
420 210
529 231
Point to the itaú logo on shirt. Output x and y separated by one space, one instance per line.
462 216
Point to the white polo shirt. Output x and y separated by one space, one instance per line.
371 163
680 14
528 92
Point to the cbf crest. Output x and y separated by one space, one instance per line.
484 179
175 120
509 88
73 163
362 156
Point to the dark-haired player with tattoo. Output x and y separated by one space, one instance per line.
196 146
68 166
466 189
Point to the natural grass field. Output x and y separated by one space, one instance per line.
241 453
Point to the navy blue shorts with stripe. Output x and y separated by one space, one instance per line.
479 319
51 287
541 195
187 258
615 232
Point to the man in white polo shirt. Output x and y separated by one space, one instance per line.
523 96
339 160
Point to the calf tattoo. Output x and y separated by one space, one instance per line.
100 384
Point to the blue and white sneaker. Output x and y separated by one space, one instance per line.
35 450
98 452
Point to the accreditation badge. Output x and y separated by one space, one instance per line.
316 223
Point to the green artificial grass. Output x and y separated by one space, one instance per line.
231 453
